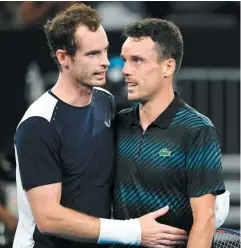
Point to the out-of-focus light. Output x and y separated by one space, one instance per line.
114 72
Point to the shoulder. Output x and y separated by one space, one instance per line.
36 120
125 116
33 130
98 91
191 120
126 113
43 107
198 128
105 99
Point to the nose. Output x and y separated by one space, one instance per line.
126 69
105 61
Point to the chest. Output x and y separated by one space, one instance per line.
86 145
151 157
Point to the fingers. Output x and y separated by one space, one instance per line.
172 230
162 239
166 243
161 246
170 243
171 237
173 243
159 212
158 235
168 240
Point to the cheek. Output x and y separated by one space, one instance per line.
83 68
150 80
145 75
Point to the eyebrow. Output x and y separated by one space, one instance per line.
96 51
133 56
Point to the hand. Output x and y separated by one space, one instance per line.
159 235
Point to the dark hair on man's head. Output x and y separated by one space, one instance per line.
60 31
165 34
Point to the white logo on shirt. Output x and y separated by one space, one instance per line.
107 123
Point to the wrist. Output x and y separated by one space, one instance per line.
126 232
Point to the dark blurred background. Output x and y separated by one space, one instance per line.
209 79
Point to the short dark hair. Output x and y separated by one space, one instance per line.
60 31
165 34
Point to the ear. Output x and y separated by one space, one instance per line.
170 66
62 58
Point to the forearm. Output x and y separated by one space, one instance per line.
201 235
54 219
70 224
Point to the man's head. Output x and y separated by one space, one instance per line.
153 53
79 44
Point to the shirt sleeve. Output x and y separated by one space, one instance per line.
37 153
203 163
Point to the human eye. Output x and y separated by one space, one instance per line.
137 60
92 54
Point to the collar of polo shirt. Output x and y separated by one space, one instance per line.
165 118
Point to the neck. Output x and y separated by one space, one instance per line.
150 110
71 92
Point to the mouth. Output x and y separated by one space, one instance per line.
131 85
100 74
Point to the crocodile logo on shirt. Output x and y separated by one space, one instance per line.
165 153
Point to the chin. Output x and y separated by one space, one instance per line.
134 98
131 97
99 83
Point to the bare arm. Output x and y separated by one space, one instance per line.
54 219
204 177
203 208
37 149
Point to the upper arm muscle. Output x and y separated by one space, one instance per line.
43 201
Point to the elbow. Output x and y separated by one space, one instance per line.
44 226
45 223
207 222
47 218
212 223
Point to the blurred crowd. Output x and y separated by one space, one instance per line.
21 15
116 14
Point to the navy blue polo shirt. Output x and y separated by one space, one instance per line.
178 157
56 142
